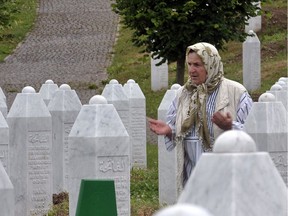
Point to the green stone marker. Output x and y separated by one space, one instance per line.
96 198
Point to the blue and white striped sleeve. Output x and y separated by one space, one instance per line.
171 120
244 107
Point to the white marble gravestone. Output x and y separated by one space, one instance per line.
159 75
280 94
254 23
4 142
7 203
3 106
64 108
47 90
251 62
115 94
30 143
267 125
167 160
2 94
99 149
236 180
182 210
137 118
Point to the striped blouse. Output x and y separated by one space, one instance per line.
192 145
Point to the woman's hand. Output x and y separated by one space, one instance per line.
159 127
222 120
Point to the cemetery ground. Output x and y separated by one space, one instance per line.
130 62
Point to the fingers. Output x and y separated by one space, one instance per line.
222 120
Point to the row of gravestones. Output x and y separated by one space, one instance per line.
50 142
257 180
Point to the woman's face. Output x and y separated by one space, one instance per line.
196 69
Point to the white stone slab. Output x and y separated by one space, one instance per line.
99 149
7 203
167 160
47 91
137 123
2 95
64 108
115 94
267 125
3 107
30 167
251 62
236 180
254 23
159 75
4 142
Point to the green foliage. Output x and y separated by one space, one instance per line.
16 19
166 28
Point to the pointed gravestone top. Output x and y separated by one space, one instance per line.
233 175
28 89
183 210
131 81
276 87
113 81
98 99
267 97
65 87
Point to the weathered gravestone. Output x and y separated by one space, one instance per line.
3 106
137 123
47 91
267 125
280 94
99 149
183 210
255 23
4 142
159 75
30 144
64 108
251 62
236 180
115 94
7 203
167 160
2 95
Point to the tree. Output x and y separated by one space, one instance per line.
167 27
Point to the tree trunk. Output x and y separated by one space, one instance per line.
180 70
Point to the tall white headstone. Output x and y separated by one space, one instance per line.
64 108
99 149
167 160
267 125
3 106
2 95
280 94
254 23
4 142
236 180
159 75
47 91
252 62
137 118
30 146
7 203
115 94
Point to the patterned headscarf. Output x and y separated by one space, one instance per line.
195 96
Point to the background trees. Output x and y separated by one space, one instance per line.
167 27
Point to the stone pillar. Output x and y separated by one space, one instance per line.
99 149
47 91
137 122
4 142
252 62
167 160
159 75
267 125
236 180
30 147
64 108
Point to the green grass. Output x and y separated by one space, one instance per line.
21 23
131 62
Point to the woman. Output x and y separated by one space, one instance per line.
204 107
